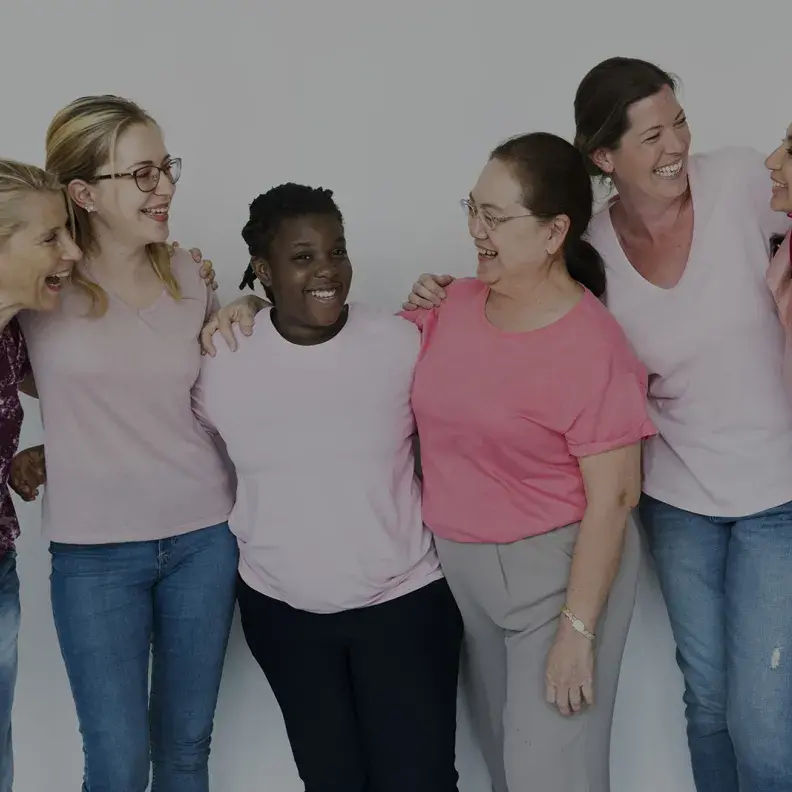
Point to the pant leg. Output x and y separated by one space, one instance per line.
404 659
759 649
9 633
193 611
544 749
690 552
475 576
305 658
102 604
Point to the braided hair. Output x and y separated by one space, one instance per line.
270 209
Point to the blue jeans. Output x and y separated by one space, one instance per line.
116 608
9 631
727 584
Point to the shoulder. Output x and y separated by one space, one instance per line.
381 326
728 164
604 339
188 275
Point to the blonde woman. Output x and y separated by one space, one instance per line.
137 495
36 256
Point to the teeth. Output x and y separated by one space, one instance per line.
487 253
669 171
779 184
161 211
57 277
324 294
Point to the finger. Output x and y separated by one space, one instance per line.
562 700
575 698
246 326
444 280
587 689
434 294
207 347
196 255
420 302
550 693
227 331
431 285
408 306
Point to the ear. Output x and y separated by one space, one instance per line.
82 194
558 229
262 270
603 159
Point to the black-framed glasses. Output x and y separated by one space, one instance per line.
147 177
490 221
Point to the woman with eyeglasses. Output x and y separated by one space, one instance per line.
137 496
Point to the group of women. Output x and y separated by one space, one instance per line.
279 471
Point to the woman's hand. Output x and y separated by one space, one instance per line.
570 670
207 269
427 292
28 473
242 312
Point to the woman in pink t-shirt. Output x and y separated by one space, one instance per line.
137 496
686 245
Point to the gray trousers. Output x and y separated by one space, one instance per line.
510 596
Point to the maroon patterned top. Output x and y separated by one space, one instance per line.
14 366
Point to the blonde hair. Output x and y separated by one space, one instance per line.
80 140
17 181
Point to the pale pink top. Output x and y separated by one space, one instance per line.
328 509
713 347
126 458
504 418
779 279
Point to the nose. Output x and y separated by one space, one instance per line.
676 141
165 187
476 227
70 250
772 162
326 267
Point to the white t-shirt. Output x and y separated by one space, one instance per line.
328 509
713 346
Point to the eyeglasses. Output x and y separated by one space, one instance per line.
490 221
147 177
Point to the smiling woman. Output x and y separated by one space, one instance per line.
36 256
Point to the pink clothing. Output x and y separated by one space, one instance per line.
328 510
504 417
126 458
779 279
713 346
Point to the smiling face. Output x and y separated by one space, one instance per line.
652 155
779 163
309 273
37 259
510 242
118 205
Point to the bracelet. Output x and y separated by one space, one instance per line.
577 624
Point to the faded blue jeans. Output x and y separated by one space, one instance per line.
727 584
118 606
9 631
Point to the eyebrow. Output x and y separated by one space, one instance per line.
49 232
150 162
680 116
302 243
485 205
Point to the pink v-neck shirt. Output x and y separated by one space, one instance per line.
126 458
713 346
504 418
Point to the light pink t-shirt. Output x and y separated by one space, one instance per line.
779 279
328 509
504 417
713 347
126 458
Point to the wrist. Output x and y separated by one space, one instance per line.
571 622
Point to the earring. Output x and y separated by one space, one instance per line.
90 209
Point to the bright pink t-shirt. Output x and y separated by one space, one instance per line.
504 417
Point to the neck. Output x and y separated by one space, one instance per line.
307 335
8 310
114 256
523 291
644 216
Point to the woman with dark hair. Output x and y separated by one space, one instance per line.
686 244
342 600
531 409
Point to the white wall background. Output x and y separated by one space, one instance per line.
395 106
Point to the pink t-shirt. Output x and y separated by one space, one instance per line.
328 509
713 347
504 417
126 458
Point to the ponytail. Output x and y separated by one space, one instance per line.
249 278
586 266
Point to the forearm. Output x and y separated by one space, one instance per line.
596 560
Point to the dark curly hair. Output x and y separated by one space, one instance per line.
270 209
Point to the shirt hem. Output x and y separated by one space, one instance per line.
61 537
709 509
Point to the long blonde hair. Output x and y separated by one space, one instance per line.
80 140
17 181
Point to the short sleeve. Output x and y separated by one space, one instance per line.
613 416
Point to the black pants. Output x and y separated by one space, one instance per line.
368 695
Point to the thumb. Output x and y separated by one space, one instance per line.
444 280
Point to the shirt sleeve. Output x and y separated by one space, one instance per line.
614 414
754 178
